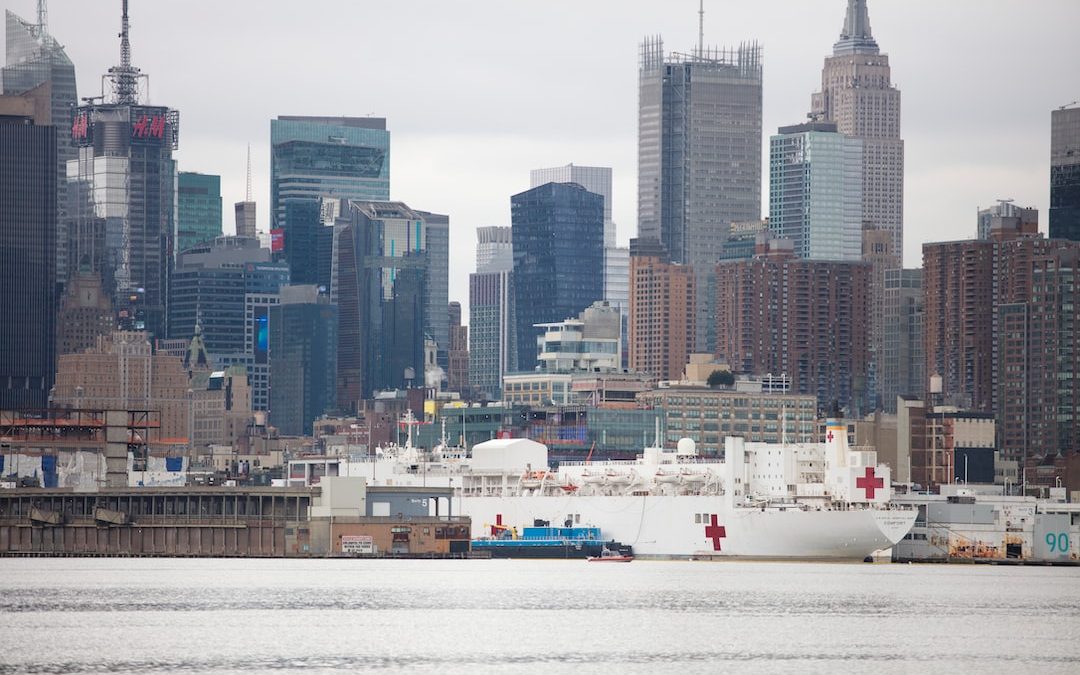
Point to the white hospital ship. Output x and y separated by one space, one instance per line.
782 501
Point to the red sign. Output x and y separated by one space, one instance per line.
152 126
870 483
277 239
715 532
80 126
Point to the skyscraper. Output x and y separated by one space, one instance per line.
226 289
380 278
27 252
457 374
245 210
492 330
815 191
338 157
699 155
1065 172
438 285
198 209
595 179
857 95
35 58
903 367
1001 323
123 191
662 297
303 351
801 318
558 238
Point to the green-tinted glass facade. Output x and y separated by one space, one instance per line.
198 209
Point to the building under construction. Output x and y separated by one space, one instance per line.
86 449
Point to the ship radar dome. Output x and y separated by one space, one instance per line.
686 446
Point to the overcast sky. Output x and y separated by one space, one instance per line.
476 93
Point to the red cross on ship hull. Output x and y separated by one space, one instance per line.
715 532
869 483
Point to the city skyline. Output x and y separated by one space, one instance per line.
965 146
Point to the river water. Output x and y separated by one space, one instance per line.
516 616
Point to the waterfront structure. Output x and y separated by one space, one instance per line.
34 60
778 314
457 373
902 365
122 188
123 373
699 156
980 523
815 191
557 232
858 96
303 359
337 157
662 325
708 415
28 150
86 313
437 289
1065 172
1006 214
198 198
380 288
492 334
1000 330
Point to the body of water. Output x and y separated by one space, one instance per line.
514 616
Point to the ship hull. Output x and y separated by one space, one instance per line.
684 526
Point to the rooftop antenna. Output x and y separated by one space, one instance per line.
247 198
701 30
125 77
42 17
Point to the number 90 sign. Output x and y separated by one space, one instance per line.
1058 542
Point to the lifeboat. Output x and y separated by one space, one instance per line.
533 479
666 477
692 477
593 478
616 478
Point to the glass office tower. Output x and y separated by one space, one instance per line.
558 243
35 58
699 156
198 198
339 157
815 191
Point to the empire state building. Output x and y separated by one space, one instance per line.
857 94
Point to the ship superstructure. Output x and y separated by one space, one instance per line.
798 500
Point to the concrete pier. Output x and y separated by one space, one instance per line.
189 521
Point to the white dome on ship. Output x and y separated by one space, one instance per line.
686 446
